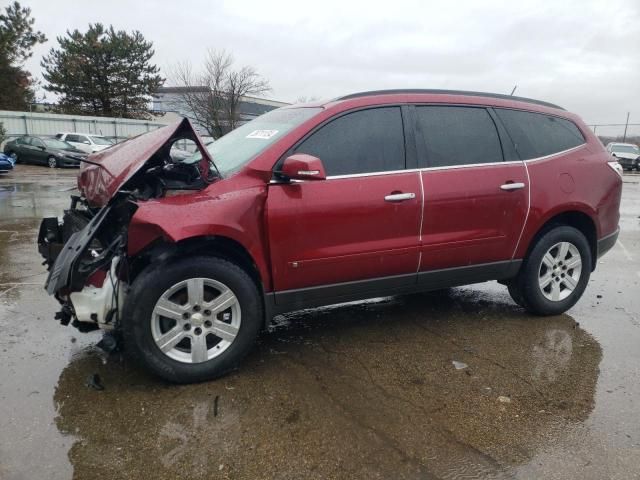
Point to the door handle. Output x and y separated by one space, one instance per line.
399 197
512 186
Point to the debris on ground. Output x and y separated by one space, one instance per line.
94 381
503 399
459 365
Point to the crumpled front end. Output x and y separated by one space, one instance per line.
86 257
86 252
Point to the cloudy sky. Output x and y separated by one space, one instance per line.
582 55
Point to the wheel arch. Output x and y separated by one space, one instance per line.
572 218
219 246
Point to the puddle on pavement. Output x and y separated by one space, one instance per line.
366 391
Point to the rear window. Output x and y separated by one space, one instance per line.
538 135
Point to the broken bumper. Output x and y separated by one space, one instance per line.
84 263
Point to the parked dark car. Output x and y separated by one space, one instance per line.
6 163
44 151
371 194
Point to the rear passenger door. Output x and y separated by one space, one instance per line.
357 230
475 189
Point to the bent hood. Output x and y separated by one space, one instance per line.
109 170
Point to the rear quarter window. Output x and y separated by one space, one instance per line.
538 135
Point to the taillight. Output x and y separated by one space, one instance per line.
616 167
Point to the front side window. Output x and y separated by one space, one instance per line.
538 135
36 142
456 136
364 141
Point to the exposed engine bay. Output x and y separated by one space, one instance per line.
86 252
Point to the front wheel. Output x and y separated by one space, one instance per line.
193 319
52 162
555 274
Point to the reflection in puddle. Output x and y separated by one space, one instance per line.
552 355
203 441
355 391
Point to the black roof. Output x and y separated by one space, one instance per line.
448 92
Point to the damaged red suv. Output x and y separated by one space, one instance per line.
370 194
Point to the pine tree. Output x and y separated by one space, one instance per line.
103 72
17 39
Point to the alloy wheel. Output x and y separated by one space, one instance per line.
560 271
196 320
52 162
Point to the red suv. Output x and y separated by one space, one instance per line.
376 193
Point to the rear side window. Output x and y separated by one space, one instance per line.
72 138
537 135
360 142
457 136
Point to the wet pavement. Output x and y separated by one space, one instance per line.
454 384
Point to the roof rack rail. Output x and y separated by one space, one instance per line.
447 92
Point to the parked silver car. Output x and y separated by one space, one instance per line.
627 154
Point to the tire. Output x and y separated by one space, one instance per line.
550 285
144 329
52 162
14 155
515 293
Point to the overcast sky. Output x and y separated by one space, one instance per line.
582 55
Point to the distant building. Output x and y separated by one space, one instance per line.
169 99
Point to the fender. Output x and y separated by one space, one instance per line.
538 219
220 210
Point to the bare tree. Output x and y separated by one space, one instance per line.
213 95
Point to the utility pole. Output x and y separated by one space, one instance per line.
624 137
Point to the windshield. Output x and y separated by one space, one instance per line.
625 149
59 144
232 151
101 141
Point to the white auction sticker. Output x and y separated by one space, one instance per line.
264 134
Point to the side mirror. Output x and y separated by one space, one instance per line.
301 166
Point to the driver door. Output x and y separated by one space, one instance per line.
355 231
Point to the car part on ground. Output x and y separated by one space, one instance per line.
304 207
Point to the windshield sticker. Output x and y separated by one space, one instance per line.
263 134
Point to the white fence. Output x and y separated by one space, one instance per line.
48 124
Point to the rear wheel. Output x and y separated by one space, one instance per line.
555 273
193 319
52 162
14 155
